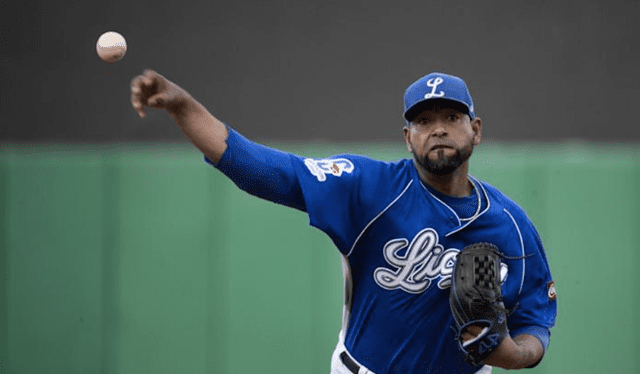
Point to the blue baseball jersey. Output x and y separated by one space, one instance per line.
399 240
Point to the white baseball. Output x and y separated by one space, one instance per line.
111 47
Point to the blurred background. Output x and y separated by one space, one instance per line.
121 251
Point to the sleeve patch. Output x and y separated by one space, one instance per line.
335 167
552 291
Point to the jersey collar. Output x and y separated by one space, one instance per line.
460 224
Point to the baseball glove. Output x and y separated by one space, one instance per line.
476 300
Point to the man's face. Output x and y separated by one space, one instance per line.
441 138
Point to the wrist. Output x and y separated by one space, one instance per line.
523 351
184 107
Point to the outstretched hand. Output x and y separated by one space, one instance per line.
151 89
206 132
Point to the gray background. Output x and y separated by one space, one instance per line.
321 70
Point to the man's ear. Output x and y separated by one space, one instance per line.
476 126
407 137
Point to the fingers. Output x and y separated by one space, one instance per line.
150 77
475 330
151 89
471 332
137 101
158 100
466 336
143 87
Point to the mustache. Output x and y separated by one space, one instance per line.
441 145
443 165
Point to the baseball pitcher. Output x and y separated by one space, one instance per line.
443 273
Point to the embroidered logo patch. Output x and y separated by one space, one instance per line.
552 291
434 83
335 167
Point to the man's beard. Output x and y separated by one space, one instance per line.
444 165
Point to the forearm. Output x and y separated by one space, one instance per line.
517 353
205 131
257 169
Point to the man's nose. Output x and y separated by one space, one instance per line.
439 129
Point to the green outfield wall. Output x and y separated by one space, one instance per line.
143 259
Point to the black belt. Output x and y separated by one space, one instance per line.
349 363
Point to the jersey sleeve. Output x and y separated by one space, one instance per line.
536 304
337 199
330 190
262 171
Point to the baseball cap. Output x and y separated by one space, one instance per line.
436 86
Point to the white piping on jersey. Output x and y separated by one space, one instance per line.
378 216
484 192
521 246
441 202
486 196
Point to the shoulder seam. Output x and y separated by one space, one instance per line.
378 216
